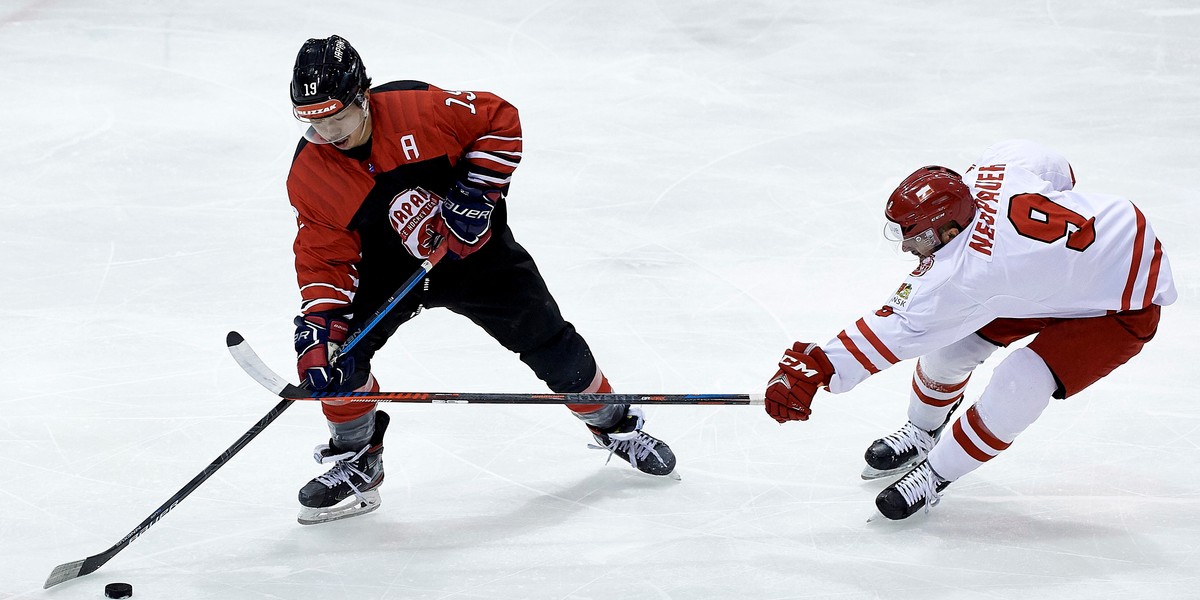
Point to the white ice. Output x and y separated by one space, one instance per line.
702 184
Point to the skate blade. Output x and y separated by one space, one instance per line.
869 472
350 507
916 517
877 516
673 475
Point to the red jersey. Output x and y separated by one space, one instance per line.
421 136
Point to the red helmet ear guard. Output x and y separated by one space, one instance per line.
925 203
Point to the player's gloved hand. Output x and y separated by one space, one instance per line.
318 336
802 370
467 214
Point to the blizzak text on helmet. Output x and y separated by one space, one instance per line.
316 110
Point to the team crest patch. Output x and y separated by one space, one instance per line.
903 295
924 267
412 213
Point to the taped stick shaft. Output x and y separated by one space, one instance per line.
296 393
257 369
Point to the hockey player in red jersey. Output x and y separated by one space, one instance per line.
385 177
1008 250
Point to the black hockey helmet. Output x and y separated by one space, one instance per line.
327 77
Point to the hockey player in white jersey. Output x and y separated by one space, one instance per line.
1007 251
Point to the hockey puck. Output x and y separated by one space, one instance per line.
118 590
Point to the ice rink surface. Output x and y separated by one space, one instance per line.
702 184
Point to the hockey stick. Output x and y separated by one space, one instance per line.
519 398
256 368
71 570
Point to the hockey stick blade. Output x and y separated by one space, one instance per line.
260 372
254 366
65 572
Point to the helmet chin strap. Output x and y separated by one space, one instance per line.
947 235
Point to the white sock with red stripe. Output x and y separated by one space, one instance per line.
1019 391
941 377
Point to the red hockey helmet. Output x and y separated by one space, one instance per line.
924 205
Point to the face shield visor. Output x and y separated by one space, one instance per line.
920 244
338 126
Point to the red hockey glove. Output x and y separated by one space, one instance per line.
467 217
790 392
318 336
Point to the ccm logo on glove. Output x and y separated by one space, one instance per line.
802 370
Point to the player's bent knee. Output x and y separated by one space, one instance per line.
564 362
1019 391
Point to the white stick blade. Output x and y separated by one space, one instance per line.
252 364
63 572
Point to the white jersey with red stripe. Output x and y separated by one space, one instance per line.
1035 249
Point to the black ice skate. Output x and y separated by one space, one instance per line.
920 489
643 451
350 488
899 451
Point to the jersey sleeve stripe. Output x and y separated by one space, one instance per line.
317 297
1139 241
492 157
322 304
347 293
876 343
856 353
484 179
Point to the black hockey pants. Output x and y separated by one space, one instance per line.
500 289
